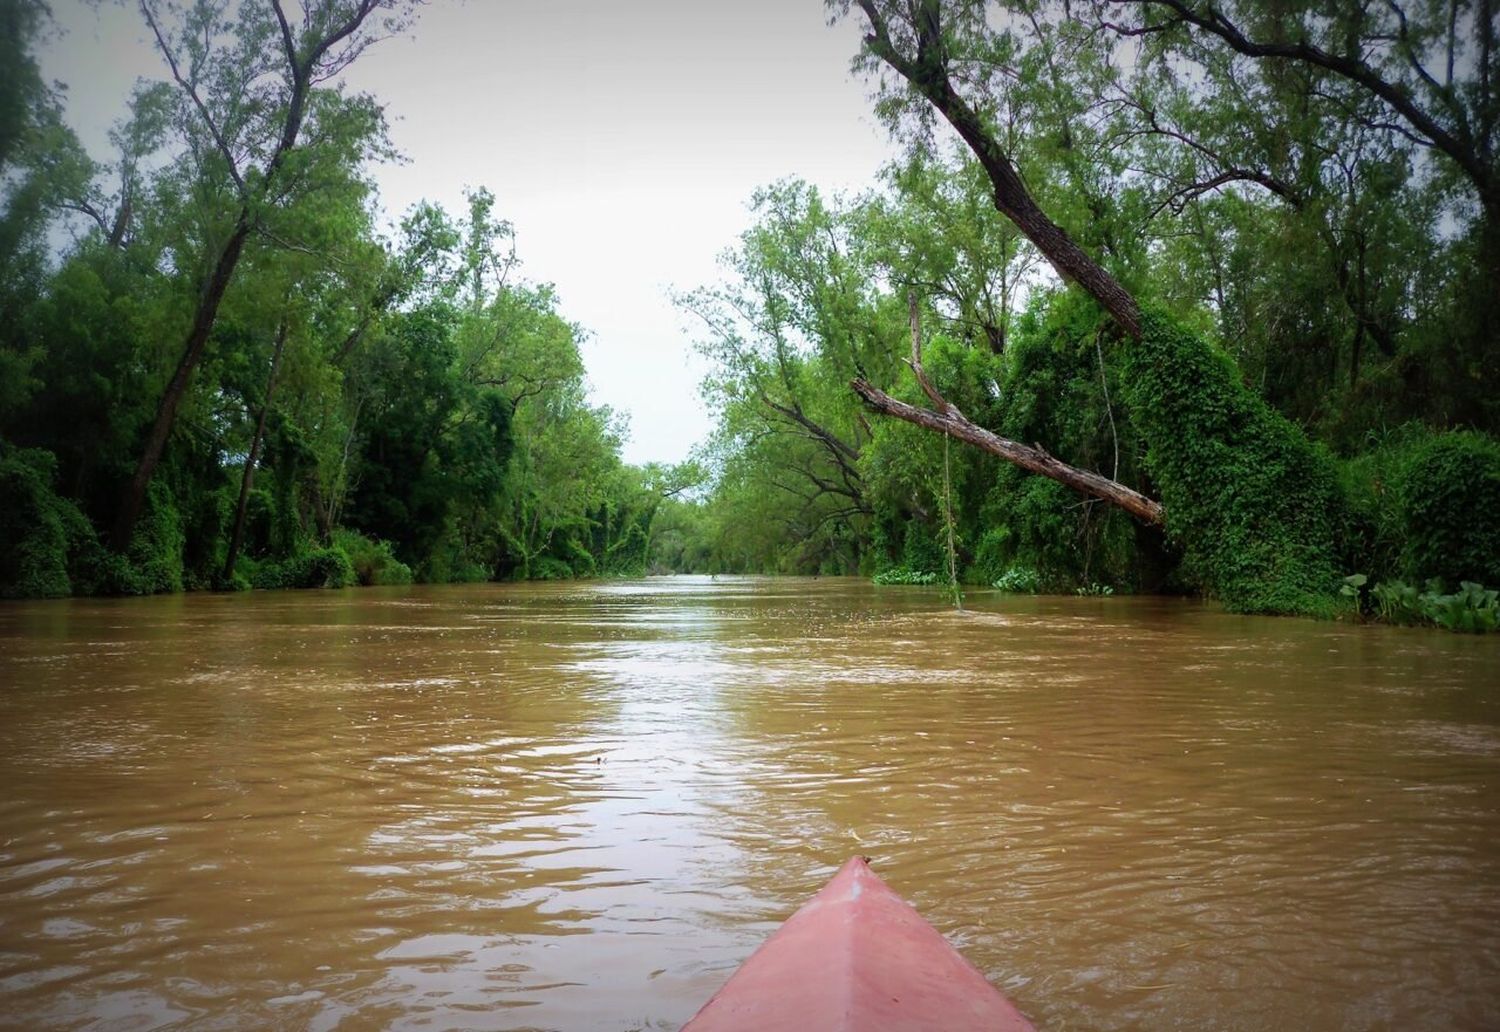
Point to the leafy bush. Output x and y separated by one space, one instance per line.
1397 602
1373 535
156 547
1450 501
1472 609
1019 580
1094 589
1253 503
921 552
372 560
550 568
1058 385
902 575
34 558
319 568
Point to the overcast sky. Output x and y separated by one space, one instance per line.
622 139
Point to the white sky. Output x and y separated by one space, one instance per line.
623 140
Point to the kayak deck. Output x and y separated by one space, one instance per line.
857 957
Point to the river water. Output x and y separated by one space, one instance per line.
581 806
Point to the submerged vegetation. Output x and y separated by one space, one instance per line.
1212 295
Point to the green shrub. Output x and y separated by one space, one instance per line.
550 568
1372 536
902 575
920 552
1397 602
1472 609
372 560
1449 496
319 568
156 547
34 556
1019 580
991 556
1251 501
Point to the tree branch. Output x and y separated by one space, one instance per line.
192 92
927 72
1459 146
1029 457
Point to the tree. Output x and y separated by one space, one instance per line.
247 90
797 316
1250 500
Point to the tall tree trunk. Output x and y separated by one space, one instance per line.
247 479
166 409
303 62
927 72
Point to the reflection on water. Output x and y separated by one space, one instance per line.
579 807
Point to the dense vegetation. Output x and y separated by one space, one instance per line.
335 404
1289 220
1279 327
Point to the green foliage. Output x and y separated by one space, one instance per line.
372 561
921 552
1094 589
1252 502
904 575
550 568
1472 609
317 568
1353 585
156 549
1418 505
1373 534
34 526
1397 602
1450 500
1057 384
429 418
1019 580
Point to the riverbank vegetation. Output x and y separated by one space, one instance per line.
232 375
1211 293
1158 297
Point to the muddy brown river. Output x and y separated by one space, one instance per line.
581 806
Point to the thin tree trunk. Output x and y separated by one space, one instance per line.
166 409
247 479
303 66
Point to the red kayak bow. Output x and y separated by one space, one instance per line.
857 958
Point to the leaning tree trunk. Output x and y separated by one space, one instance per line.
171 399
928 74
1032 458
247 479
303 62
